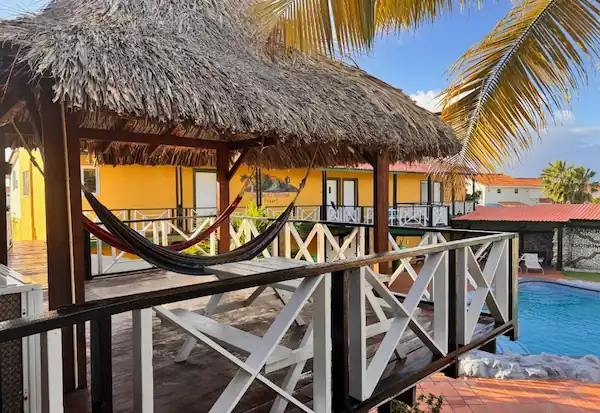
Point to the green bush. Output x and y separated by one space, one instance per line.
425 404
252 211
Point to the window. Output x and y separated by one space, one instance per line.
516 190
26 183
89 177
424 192
498 191
15 180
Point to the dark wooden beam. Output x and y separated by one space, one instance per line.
62 259
32 109
237 164
4 170
103 146
323 216
152 150
10 101
24 128
369 158
381 189
169 140
145 138
223 197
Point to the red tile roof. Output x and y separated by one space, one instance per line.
505 180
535 213
415 167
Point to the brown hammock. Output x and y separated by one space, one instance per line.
113 241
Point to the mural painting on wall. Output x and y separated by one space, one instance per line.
275 190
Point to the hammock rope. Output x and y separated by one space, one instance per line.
113 241
183 263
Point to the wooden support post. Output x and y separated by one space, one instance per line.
381 205
429 202
258 186
454 311
559 248
101 365
340 400
323 195
452 200
223 196
64 233
473 192
489 347
3 221
408 397
513 291
395 190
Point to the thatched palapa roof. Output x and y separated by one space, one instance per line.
197 68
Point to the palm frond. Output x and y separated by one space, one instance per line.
504 88
341 27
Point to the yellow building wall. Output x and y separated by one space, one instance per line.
141 187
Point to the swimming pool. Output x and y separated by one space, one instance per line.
556 319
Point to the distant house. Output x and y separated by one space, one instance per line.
564 235
504 190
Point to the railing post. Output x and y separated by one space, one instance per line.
213 239
87 255
99 256
513 291
287 239
322 345
51 371
453 313
101 365
143 380
339 340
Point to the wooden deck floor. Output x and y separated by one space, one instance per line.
195 385
30 260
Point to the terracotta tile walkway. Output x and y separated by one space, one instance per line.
471 395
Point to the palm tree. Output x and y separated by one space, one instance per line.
568 184
503 90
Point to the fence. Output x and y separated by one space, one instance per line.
343 379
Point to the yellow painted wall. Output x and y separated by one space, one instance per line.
137 187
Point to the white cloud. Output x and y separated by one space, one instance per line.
564 117
428 100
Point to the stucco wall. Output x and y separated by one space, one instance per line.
581 248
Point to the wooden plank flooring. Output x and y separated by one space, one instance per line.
30 260
195 385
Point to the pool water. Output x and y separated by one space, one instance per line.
556 319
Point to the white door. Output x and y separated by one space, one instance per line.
437 192
332 200
351 213
349 193
206 192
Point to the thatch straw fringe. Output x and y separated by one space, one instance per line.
197 64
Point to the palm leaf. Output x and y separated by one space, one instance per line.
504 88
341 27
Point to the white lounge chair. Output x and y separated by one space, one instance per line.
532 262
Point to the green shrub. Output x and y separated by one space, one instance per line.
425 404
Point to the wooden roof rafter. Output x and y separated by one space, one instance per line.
167 140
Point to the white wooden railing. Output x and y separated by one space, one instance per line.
475 283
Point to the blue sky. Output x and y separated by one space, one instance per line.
417 62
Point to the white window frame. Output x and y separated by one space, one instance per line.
26 188
97 172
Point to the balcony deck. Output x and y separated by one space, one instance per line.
194 386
